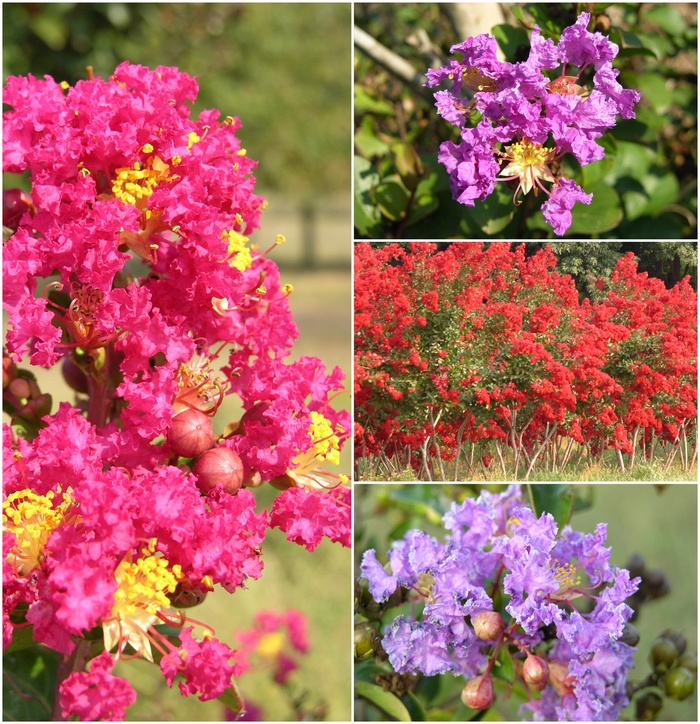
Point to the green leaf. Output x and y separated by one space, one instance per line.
554 498
510 39
495 213
503 668
424 204
414 707
22 638
668 18
366 141
384 700
31 674
603 213
366 215
391 197
232 700
367 103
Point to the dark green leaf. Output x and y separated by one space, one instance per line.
603 213
503 668
366 214
414 707
366 141
510 40
30 683
495 213
554 498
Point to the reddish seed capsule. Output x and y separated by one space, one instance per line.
191 433
478 693
218 466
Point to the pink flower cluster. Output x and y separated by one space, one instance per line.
130 265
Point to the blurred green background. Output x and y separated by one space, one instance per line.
285 70
658 523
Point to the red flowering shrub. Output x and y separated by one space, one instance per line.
484 344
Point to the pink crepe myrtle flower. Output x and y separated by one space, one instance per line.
130 265
529 120
96 695
274 639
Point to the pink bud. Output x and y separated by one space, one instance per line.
478 693
191 433
218 466
535 672
560 678
488 625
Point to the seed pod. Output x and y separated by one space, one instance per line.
218 466
679 683
191 433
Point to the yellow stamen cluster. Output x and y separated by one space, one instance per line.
143 584
238 251
528 161
325 442
32 518
134 185
192 138
477 81
142 588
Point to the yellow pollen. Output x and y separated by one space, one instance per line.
242 152
325 442
32 518
280 239
192 138
287 289
147 148
527 154
237 249
175 160
65 85
134 185
142 588
228 121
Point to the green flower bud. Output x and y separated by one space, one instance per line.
679 683
648 705
365 638
663 655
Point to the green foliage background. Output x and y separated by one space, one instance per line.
645 187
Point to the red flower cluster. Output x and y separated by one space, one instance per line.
485 344
130 265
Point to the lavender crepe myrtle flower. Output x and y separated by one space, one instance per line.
528 120
497 549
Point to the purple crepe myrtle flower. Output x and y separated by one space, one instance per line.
529 121
497 544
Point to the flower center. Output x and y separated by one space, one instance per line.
31 518
566 575
475 80
142 588
566 86
134 185
199 387
325 445
527 162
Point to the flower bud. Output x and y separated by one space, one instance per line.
663 655
488 625
630 634
679 683
191 433
648 706
15 203
535 672
678 639
478 693
74 376
690 662
560 678
218 466
365 636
